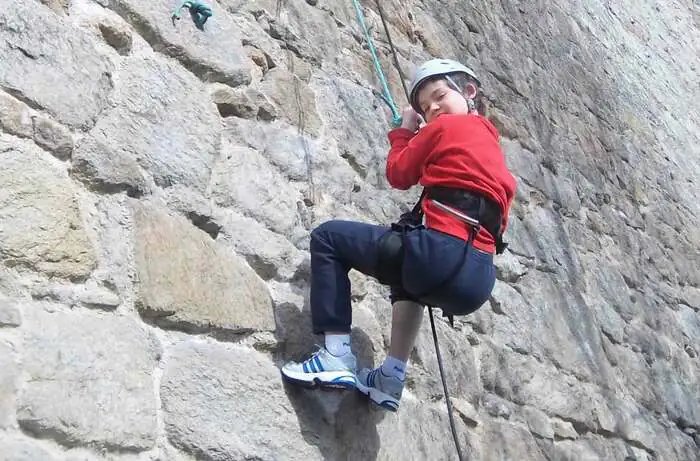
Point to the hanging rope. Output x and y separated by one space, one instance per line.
450 412
397 121
393 50
378 67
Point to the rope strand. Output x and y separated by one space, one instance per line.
393 50
378 67
444 387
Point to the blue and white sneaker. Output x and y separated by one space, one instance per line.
381 389
323 369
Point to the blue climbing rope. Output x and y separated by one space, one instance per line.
396 121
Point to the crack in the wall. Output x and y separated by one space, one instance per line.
20 96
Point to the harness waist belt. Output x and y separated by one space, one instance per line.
485 210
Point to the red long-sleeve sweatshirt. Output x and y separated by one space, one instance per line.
459 151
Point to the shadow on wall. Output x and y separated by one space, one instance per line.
342 424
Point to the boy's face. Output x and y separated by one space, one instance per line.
437 97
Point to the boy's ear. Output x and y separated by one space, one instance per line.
470 91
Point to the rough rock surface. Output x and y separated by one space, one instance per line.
211 399
186 280
40 221
88 379
54 64
158 183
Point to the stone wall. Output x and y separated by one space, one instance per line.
158 184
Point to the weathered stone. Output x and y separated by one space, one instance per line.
10 315
89 295
269 198
107 170
59 6
512 322
260 59
295 99
301 29
165 453
54 65
563 429
592 447
41 224
53 137
233 102
16 448
15 116
163 122
61 293
542 386
509 269
245 103
9 377
228 402
88 379
463 376
117 37
269 254
691 296
415 416
214 54
194 206
307 162
187 281
280 143
466 411
341 104
496 406
501 440
538 422
98 297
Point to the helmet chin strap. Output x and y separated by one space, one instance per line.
471 105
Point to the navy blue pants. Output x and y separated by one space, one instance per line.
429 258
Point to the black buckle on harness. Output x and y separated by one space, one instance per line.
390 248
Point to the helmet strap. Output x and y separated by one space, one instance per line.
453 85
470 101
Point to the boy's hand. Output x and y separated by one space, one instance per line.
410 119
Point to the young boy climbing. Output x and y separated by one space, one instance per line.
444 262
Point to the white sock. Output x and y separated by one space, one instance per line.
394 367
338 345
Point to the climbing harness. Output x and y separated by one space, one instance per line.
198 10
396 121
393 243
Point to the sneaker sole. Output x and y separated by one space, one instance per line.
324 379
378 397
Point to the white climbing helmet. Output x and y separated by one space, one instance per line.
434 68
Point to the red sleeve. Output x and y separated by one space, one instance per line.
408 154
